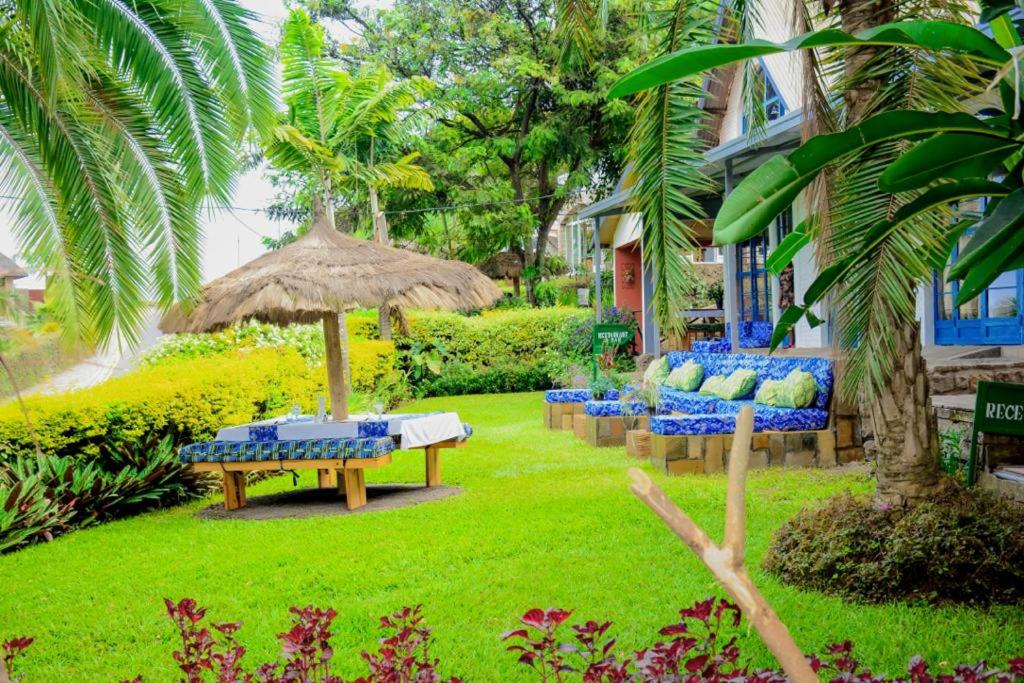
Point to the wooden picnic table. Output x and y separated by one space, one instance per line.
352 481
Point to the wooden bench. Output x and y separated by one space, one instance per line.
353 477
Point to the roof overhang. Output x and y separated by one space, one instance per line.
744 155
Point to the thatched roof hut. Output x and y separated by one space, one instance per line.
10 271
505 265
323 274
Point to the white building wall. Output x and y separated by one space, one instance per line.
786 69
805 270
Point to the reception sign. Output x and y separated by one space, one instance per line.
999 409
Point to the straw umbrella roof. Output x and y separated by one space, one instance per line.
503 265
325 271
10 269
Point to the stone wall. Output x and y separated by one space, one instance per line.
961 377
560 415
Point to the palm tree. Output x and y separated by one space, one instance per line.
344 132
118 121
876 241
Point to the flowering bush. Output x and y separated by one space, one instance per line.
696 648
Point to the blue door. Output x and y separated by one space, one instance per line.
992 318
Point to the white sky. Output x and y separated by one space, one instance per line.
230 238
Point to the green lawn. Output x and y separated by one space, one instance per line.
544 520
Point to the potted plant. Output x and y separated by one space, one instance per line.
637 422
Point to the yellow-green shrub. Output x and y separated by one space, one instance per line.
189 399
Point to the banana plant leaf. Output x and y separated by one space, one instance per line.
936 36
774 185
787 249
947 155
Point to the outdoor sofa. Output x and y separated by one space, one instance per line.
682 412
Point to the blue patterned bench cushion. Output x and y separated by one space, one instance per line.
613 408
775 419
754 334
305 449
677 425
577 395
689 402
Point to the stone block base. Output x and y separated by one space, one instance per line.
709 453
560 415
611 431
638 443
579 425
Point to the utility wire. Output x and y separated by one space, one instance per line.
392 212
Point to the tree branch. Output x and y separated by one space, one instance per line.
726 561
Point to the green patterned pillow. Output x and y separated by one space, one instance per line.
768 392
798 390
712 385
738 385
657 371
686 377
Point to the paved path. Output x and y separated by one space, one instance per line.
100 367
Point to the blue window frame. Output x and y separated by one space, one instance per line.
752 280
771 99
994 317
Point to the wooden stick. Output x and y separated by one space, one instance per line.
4 677
726 561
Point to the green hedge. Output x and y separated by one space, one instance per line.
188 400
495 337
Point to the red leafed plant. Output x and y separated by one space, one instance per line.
699 647
695 650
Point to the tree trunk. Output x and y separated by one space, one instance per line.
515 286
380 234
907 466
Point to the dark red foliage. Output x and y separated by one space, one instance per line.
696 650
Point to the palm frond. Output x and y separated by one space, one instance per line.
667 155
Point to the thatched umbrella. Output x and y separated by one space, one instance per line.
321 275
505 265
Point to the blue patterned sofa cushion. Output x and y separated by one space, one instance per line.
675 401
614 408
767 367
678 425
304 449
711 346
775 419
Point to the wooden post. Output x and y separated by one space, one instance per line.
327 479
726 561
433 465
234 490
355 487
335 370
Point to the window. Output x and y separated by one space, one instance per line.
771 99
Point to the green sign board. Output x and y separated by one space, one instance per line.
608 336
999 409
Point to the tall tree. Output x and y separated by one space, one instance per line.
117 122
876 241
523 126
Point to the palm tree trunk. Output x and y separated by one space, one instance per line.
380 234
907 465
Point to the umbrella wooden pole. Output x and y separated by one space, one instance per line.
335 369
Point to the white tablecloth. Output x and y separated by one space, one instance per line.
414 430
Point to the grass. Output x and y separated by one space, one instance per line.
544 520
